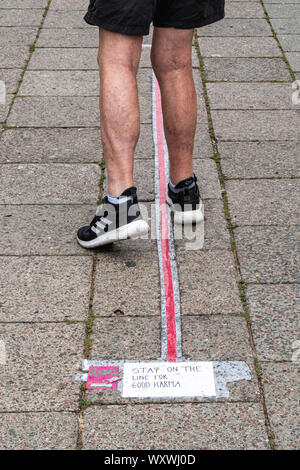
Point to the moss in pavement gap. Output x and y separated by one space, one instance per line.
241 284
84 402
258 367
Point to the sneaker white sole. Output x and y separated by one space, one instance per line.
133 230
187 217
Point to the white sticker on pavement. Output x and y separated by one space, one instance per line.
168 379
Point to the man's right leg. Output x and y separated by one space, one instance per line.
118 217
118 58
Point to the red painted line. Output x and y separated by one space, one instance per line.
164 226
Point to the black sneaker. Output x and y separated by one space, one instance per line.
114 222
185 202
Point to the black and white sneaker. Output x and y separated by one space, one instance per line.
114 222
185 202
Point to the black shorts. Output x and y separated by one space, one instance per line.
133 17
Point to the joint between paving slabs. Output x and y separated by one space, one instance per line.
241 284
84 402
25 67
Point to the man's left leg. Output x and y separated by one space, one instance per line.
171 57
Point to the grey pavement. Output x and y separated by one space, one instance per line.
239 294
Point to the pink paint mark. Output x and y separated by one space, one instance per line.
165 248
102 378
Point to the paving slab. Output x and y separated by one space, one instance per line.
256 125
263 202
67 5
236 27
72 37
129 249
294 60
200 95
10 77
50 146
24 4
64 58
286 25
177 427
283 10
76 145
45 288
239 47
260 159
244 9
45 357
246 70
49 183
216 338
268 254
55 228
289 42
60 83
280 383
139 297
207 174
216 234
52 111
38 431
261 96
66 19
268 2
274 312
207 283
126 338
13 17
20 36
203 145
13 57
145 146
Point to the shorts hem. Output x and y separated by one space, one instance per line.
118 28
192 25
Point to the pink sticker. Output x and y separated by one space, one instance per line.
101 378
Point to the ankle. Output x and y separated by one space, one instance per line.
116 188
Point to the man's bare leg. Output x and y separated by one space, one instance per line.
118 59
171 57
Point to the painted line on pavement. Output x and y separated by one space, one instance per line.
171 349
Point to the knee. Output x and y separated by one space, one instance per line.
127 64
164 63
